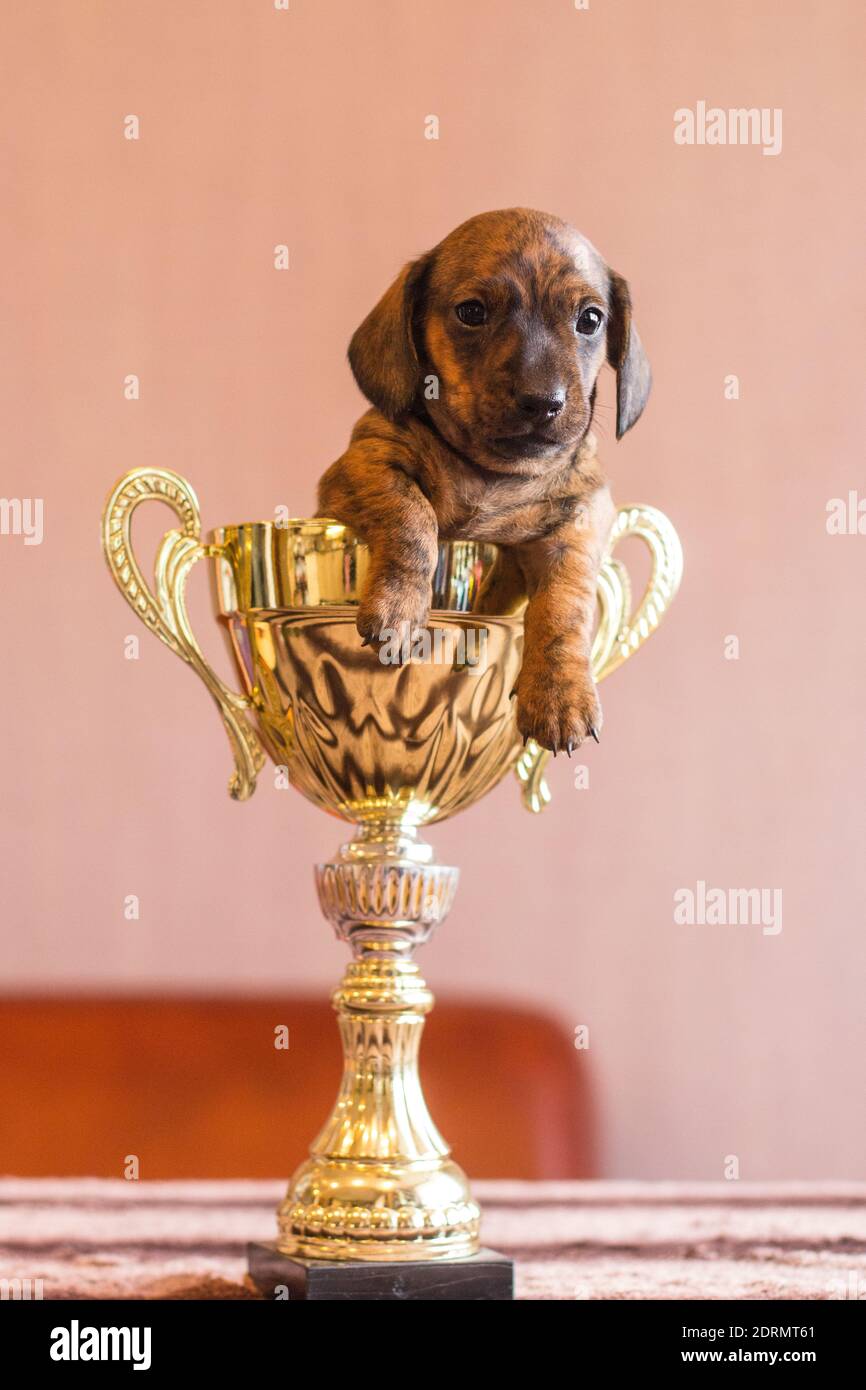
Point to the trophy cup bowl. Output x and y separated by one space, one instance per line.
388 749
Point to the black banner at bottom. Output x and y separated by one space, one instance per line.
83 1338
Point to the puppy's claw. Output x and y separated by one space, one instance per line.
365 641
594 731
569 747
513 693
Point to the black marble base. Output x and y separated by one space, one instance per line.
482 1276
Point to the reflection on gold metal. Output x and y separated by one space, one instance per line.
620 632
166 613
389 749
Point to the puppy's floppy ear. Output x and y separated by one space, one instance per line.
382 353
625 353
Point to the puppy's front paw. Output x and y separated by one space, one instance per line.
392 608
558 712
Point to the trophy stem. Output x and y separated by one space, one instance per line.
380 1183
380 1112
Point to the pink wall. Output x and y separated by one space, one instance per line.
155 257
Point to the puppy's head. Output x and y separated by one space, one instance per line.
499 334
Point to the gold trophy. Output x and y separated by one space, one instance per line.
388 749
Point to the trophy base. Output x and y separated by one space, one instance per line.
486 1275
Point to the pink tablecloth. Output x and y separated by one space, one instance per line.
95 1238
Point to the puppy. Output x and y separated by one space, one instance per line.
481 364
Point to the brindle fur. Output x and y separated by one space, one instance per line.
465 464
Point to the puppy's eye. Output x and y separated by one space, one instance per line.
589 321
471 312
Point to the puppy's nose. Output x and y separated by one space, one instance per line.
536 407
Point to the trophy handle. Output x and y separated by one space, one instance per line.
165 613
618 635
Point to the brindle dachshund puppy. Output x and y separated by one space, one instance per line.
512 317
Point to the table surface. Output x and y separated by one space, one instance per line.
101 1238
